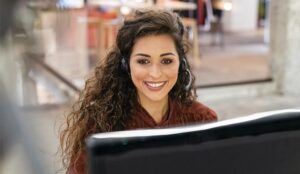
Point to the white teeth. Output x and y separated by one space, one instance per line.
155 85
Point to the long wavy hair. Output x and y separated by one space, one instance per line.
109 96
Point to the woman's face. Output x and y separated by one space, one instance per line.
154 65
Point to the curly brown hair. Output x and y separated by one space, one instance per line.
109 96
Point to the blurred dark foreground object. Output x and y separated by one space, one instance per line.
263 143
13 127
7 8
7 110
8 125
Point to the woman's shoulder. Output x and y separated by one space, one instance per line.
198 111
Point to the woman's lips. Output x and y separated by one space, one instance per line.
155 86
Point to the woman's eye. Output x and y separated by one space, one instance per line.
167 61
143 61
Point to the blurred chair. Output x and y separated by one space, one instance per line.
191 24
104 32
107 35
214 12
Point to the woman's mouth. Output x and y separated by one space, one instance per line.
155 86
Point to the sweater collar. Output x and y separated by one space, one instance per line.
148 119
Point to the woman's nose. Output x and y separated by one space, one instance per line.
155 71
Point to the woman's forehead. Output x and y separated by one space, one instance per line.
162 42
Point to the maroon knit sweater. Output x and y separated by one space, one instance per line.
175 116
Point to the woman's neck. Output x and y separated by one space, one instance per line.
156 109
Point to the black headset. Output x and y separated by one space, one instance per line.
124 65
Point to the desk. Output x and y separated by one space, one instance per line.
118 4
177 5
172 5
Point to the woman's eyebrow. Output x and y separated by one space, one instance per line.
146 55
142 54
167 54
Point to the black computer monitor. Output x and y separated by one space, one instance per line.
263 143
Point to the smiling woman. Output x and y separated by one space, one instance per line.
154 65
143 82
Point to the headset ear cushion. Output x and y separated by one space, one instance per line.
183 65
124 65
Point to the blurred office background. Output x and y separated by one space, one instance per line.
244 54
